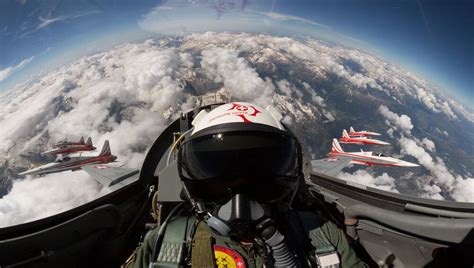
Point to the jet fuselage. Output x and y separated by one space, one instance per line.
373 158
69 163
362 141
70 149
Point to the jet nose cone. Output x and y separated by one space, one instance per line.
408 164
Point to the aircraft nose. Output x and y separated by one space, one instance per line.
408 164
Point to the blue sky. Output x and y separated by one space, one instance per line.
431 38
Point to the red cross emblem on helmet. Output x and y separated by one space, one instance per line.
243 111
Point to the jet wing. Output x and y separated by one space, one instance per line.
112 177
330 166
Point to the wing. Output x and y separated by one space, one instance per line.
112 177
330 166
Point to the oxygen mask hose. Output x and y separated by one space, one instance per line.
276 241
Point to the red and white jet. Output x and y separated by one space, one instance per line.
368 158
73 163
353 133
338 159
362 140
61 144
69 149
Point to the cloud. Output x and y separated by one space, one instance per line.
280 16
123 95
403 122
361 176
464 190
243 82
436 167
285 87
126 95
130 93
35 198
5 73
45 22
442 179
429 144
319 101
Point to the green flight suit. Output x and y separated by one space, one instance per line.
328 234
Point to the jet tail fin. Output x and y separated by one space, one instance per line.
89 141
351 129
105 149
345 134
336 147
81 140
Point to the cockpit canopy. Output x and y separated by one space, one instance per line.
64 159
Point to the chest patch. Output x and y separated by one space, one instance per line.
228 258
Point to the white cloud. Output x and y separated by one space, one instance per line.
319 101
443 180
130 93
45 22
120 95
441 175
361 176
239 79
403 122
35 198
464 190
280 16
5 73
390 132
285 87
429 144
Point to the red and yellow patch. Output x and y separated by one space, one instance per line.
228 258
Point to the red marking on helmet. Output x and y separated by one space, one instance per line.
244 118
241 108
243 111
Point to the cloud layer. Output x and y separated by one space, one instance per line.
35 198
442 181
6 72
130 93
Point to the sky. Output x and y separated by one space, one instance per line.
433 39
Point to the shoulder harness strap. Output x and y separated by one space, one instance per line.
173 247
202 248
325 253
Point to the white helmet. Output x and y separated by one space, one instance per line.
240 148
236 112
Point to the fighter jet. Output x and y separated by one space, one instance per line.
61 144
362 140
73 163
68 149
353 133
338 159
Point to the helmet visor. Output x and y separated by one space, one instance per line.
263 165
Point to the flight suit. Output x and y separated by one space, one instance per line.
323 235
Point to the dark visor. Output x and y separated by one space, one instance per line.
263 165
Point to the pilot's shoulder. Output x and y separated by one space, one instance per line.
311 220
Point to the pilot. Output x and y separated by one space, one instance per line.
241 170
